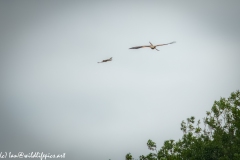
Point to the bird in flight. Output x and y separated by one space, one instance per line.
106 60
151 46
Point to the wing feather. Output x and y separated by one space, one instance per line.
165 44
137 47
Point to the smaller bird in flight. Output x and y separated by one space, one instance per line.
106 60
151 46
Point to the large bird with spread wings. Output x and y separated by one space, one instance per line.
106 60
151 46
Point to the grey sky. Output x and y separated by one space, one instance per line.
55 97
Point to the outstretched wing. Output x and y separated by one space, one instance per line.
110 59
137 47
103 61
165 44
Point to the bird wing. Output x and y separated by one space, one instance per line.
110 59
103 61
165 44
137 47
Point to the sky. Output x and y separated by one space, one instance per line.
55 98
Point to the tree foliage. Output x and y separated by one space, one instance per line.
218 139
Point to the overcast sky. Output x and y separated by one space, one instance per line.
55 98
